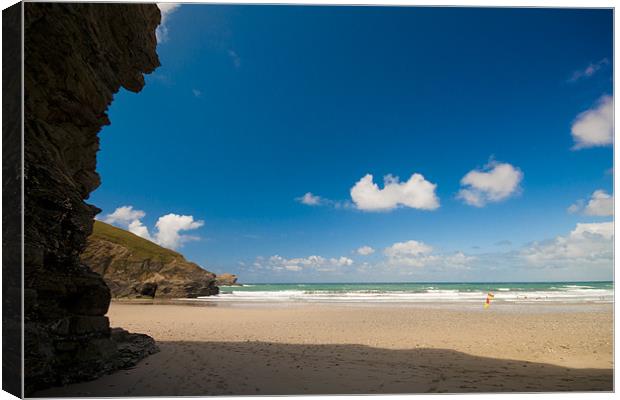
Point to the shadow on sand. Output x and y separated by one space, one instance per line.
263 368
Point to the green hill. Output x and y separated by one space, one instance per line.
135 267
141 248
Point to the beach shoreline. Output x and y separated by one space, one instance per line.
498 306
301 348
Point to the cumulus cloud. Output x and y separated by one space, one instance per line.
600 204
495 182
341 261
576 207
168 227
311 263
137 228
595 127
365 251
400 259
124 216
588 243
162 30
310 199
584 253
413 253
407 249
588 71
417 192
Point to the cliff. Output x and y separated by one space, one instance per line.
135 267
226 280
77 55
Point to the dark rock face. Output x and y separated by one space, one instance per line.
76 57
134 267
12 199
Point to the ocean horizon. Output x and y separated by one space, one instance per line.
393 292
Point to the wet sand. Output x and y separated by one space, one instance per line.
339 349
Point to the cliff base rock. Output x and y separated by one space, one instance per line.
76 57
134 267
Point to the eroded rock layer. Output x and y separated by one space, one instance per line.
227 280
134 267
77 56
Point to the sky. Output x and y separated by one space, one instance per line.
371 144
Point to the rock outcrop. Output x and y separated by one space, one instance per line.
77 55
226 280
134 267
11 200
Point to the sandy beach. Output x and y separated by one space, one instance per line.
337 349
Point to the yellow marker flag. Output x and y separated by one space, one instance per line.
487 303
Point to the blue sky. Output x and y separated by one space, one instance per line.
505 115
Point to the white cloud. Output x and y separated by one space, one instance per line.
601 204
341 262
575 207
365 251
197 93
595 127
457 259
137 228
162 30
604 229
167 8
588 243
168 227
311 263
590 70
411 253
128 218
586 253
400 259
123 216
417 192
495 182
310 200
418 254
408 249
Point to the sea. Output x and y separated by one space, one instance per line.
427 292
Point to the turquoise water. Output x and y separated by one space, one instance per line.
420 292
417 287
